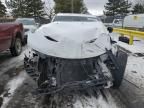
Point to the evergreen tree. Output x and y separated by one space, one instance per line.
27 8
2 10
18 8
65 6
138 9
34 8
114 7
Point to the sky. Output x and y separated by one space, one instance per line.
95 7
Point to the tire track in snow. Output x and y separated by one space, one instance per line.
85 99
100 101
12 86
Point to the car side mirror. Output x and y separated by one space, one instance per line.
110 29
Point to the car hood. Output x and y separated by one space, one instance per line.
73 40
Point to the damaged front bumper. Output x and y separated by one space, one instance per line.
55 75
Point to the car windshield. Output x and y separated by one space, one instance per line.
26 21
75 19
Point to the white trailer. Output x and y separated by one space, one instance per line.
135 21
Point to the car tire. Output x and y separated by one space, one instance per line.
17 48
119 74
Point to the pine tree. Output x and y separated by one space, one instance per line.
35 8
138 9
2 10
27 8
18 8
114 7
65 6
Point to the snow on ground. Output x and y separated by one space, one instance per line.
135 71
92 102
14 61
138 47
11 86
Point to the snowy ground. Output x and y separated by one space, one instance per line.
16 86
133 85
11 86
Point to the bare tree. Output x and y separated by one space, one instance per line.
49 9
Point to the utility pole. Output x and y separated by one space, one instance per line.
72 6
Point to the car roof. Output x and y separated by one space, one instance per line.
74 14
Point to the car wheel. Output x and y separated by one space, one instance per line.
119 74
17 48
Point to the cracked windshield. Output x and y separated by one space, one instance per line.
71 53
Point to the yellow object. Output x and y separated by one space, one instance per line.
130 33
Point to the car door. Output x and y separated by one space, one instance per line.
5 37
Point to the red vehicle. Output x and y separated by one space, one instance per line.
11 37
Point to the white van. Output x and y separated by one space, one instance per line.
135 21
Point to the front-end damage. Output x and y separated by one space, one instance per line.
73 59
54 74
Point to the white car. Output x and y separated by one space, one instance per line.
117 23
29 25
74 51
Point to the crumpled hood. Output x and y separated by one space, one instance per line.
73 40
76 31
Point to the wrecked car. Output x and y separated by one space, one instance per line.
73 52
